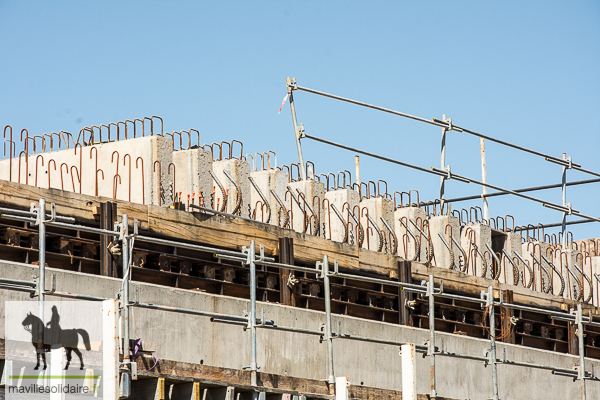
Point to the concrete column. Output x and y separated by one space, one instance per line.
110 349
416 215
409 372
194 168
482 235
267 180
338 198
314 192
341 388
377 208
239 171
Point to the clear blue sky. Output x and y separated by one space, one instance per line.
524 71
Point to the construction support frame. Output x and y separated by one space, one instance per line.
444 171
248 257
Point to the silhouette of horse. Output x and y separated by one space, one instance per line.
67 338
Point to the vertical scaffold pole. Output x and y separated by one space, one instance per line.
252 265
431 344
564 203
328 328
490 304
41 219
291 86
486 212
443 164
125 267
580 336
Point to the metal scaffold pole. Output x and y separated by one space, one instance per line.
580 338
328 327
443 164
431 344
125 377
490 305
291 85
252 266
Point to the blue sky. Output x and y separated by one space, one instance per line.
526 72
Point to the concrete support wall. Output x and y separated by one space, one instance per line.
339 198
406 241
438 226
267 180
512 245
528 249
314 191
193 175
239 171
194 339
121 170
377 208
482 235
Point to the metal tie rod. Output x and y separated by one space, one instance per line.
449 126
194 247
529 189
448 175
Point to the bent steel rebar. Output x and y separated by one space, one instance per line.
344 224
62 182
10 150
169 172
237 210
54 162
129 178
96 170
78 177
36 167
222 189
142 167
516 272
159 180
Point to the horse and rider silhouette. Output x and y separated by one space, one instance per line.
44 338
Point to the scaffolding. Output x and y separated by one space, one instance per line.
250 321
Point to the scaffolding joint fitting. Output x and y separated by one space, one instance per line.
291 84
